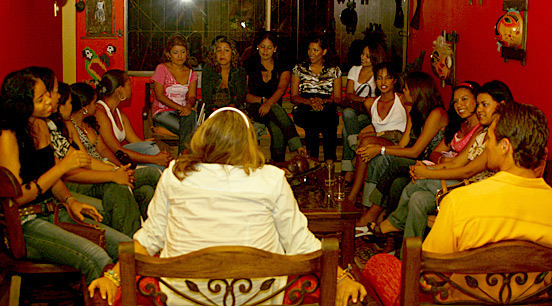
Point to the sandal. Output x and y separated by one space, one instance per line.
376 230
362 231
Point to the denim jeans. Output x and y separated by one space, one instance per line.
392 182
353 123
147 148
416 202
183 126
376 168
281 128
122 207
46 241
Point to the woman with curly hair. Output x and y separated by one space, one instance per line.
224 82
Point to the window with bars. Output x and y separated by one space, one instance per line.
152 22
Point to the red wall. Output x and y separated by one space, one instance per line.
477 57
30 36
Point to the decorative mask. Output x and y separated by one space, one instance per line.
441 58
509 29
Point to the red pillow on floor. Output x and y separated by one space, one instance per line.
383 272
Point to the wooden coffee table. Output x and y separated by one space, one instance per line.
325 215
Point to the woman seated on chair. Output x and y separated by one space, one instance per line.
224 81
224 186
429 119
115 126
175 86
316 92
125 193
418 198
268 80
25 150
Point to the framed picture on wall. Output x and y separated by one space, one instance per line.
100 18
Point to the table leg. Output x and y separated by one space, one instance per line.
348 243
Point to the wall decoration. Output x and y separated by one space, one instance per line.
93 64
100 18
511 30
443 58
349 17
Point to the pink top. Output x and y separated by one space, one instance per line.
172 89
458 144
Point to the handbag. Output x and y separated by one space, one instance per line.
441 193
125 159
89 231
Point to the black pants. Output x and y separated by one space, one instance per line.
318 122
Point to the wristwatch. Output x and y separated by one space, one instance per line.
382 152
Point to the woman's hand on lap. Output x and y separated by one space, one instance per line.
79 209
124 176
349 289
107 288
185 110
264 109
163 158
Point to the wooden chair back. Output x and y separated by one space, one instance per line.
508 265
12 251
230 262
10 224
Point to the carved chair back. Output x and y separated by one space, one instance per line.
232 267
507 272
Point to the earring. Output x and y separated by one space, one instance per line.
122 98
84 111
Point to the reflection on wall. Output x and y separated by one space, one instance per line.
376 11
151 23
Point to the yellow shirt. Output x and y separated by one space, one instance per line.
502 207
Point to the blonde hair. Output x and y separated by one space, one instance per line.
222 139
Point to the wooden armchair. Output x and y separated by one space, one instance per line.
232 262
12 250
519 270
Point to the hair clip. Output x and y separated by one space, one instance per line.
464 84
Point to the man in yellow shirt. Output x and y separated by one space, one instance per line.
513 204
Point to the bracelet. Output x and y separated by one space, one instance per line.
112 276
68 197
262 100
115 168
38 188
346 273
382 152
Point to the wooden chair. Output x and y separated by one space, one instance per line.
506 264
12 247
164 139
231 262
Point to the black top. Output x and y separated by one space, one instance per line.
257 85
34 164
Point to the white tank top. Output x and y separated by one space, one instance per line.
119 134
395 119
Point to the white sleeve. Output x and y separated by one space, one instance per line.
153 233
291 224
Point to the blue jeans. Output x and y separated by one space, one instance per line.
183 126
376 168
353 123
416 202
281 128
147 148
46 241
122 207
